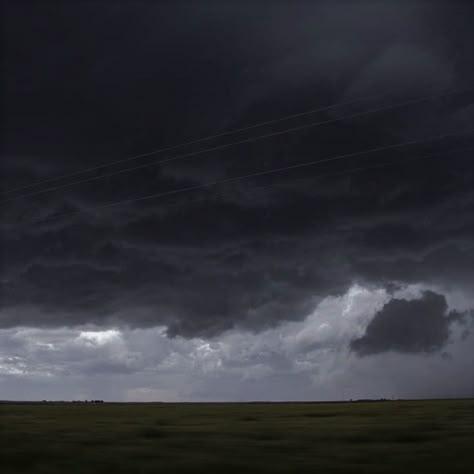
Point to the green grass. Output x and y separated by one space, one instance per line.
364 437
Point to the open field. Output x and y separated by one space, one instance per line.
360 437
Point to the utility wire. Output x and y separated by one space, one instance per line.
342 172
199 140
194 142
266 172
238 142
319 176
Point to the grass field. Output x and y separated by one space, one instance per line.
361 437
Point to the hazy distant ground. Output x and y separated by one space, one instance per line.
364 437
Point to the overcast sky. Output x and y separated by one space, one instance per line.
349 278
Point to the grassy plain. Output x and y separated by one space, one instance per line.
347 438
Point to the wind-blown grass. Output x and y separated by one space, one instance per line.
360 437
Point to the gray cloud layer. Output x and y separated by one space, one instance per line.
248 255
308 359
421 325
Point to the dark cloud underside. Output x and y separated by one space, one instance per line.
91 83
420 325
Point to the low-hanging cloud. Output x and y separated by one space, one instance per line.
307 359
251 254
417 326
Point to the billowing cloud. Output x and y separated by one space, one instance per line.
248 257
419 325
307 359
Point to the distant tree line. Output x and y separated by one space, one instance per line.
58 402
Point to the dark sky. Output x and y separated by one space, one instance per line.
350 277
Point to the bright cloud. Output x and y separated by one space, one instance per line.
310 358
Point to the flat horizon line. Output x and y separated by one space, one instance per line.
275 402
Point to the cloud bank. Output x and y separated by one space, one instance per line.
245 260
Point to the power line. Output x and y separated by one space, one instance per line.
319 176
238 142
345 172
267 172
196 141
200 140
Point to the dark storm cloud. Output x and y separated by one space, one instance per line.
420 325
92 83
